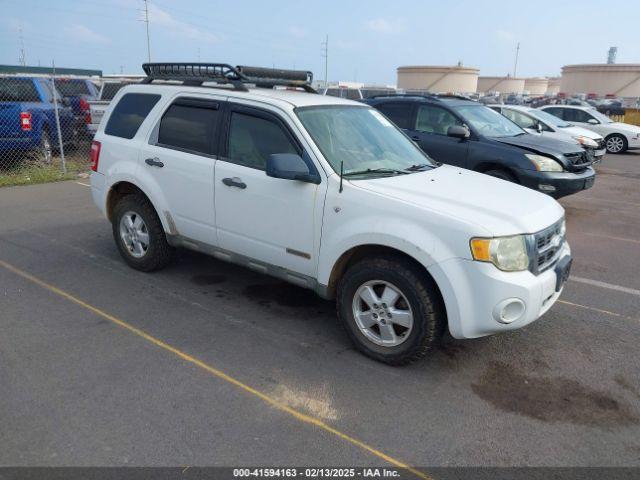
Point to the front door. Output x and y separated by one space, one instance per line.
272 220
431 125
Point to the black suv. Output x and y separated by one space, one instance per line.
470 135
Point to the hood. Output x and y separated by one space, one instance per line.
540 144
575 131
498 206
624 127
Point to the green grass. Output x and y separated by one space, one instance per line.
32 174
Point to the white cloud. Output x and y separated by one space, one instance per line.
84 34
381 25
159 17
297 32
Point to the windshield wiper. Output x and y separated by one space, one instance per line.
418 167
375 170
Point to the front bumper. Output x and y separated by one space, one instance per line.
475 292
557 184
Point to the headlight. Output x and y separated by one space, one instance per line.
586 141
544 164
506 253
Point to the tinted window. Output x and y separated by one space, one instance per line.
72 88
129 114
574 115
189 127
432 119
333 92
353 94
253 139
18 90
398 113
555 111
109 90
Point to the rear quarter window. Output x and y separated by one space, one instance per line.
129 113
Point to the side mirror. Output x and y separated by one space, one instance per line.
593 121
290 166
539 128
457 131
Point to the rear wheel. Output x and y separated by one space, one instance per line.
501 174
139 235
616 143
391 310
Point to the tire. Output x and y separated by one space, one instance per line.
501 174
136 212
419 297
616 143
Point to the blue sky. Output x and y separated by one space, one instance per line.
368 40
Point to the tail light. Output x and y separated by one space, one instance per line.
95 155
86 109
25 121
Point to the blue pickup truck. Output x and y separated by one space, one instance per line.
27 119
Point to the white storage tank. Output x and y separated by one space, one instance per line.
617 79
553 87
438 79
536 85
506 84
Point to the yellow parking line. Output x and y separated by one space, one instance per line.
599 310
217 373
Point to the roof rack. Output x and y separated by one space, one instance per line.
195 74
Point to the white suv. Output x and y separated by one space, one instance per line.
325 193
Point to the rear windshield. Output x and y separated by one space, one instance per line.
18 90
109 90
129 114
72 88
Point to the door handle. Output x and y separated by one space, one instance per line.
234 182
154 162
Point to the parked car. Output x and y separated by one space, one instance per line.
97 107
538 122
470 135
342 92
79 91
610 107
325 193
619 137
28 121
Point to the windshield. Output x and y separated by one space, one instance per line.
549 119
363 139
599 116
488 122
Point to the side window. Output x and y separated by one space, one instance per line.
333 92
189 125
353 94
520 119
575 115
398 113
558 112
129 114
432 119
252 139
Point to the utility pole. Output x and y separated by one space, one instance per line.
325 45
515 65
22 59
146 21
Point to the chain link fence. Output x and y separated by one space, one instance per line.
45 130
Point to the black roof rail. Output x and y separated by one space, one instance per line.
455 95
195 74
413 95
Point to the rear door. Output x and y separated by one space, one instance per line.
431 125
181 155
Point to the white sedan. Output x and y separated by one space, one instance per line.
619 137
538 122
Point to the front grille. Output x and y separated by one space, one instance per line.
579 160
547 245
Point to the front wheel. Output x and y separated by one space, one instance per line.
139 235
391 310
616 143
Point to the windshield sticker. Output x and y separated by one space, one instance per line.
380 118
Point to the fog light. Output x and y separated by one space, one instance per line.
546 188
509 310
